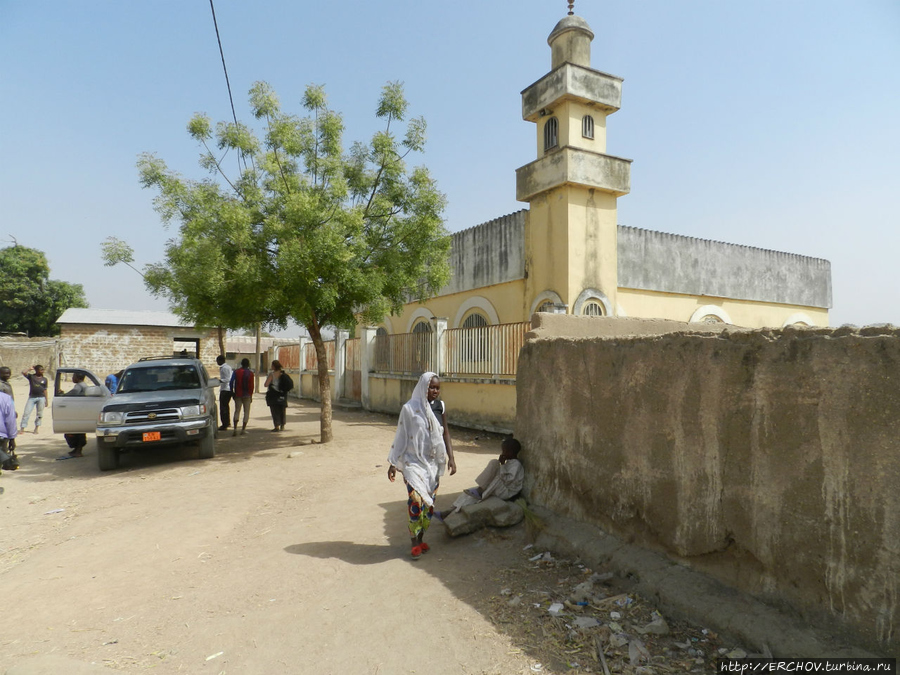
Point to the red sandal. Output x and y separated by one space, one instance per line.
416 552
425 547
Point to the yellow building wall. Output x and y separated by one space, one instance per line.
546 252
385 394
593 249
506 299
570 115
747 313
479 404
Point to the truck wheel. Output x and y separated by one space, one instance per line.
208 445
107 456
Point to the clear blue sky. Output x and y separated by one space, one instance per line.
767 123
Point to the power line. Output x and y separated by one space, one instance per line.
225 69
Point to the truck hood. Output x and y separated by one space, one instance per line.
144 400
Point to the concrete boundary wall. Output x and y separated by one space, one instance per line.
488 254
670 263
767 458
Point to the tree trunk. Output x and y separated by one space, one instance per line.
324 384
221 332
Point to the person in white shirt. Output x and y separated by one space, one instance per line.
502 477
225 393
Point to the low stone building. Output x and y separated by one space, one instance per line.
106 340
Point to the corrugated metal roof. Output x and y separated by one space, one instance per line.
121 317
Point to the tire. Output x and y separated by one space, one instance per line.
107 457
208 445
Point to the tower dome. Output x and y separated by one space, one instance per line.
570 41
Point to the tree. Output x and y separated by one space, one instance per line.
172 278
305 231
31 302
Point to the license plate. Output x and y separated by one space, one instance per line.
151 436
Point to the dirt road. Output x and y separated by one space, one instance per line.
253 562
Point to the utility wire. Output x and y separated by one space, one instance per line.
225 68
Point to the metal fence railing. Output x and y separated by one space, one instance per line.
486 350
309 358
289 357
352 354
404 353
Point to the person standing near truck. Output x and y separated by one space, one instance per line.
243 381
37 397
5 386
7 433
225 393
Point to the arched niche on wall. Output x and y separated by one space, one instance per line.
417 316
592 296
705 313
546 296
799 319
388 326
480 303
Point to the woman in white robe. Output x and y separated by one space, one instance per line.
421 455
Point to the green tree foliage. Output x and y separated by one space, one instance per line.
305 231
31 302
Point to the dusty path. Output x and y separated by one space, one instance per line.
250 563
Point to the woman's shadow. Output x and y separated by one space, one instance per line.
361 554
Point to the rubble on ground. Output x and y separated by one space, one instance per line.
572 619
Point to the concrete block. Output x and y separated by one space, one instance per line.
492 512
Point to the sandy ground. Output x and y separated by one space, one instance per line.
253 562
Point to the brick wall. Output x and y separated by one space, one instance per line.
105 349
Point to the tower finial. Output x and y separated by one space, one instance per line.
571 7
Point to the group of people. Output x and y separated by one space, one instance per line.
422 452
37 401
238 385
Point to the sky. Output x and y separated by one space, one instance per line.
769 123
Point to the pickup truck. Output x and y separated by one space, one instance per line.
158 401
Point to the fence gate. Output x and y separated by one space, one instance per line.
352 373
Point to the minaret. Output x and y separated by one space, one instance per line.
572 186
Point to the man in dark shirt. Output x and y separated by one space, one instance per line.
243 381
37 397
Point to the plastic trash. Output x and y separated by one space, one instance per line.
582 622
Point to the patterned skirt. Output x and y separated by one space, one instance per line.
419 513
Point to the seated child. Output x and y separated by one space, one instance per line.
502 477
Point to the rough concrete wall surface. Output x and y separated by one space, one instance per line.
657 261
19 353
488 254
767 458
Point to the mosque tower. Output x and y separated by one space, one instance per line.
573 185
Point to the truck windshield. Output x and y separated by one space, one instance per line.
159 378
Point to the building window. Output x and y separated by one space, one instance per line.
422 327
546 306
382 350
592 307
711 318
474 320
587 126
551 133
475 343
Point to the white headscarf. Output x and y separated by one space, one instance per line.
418 451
